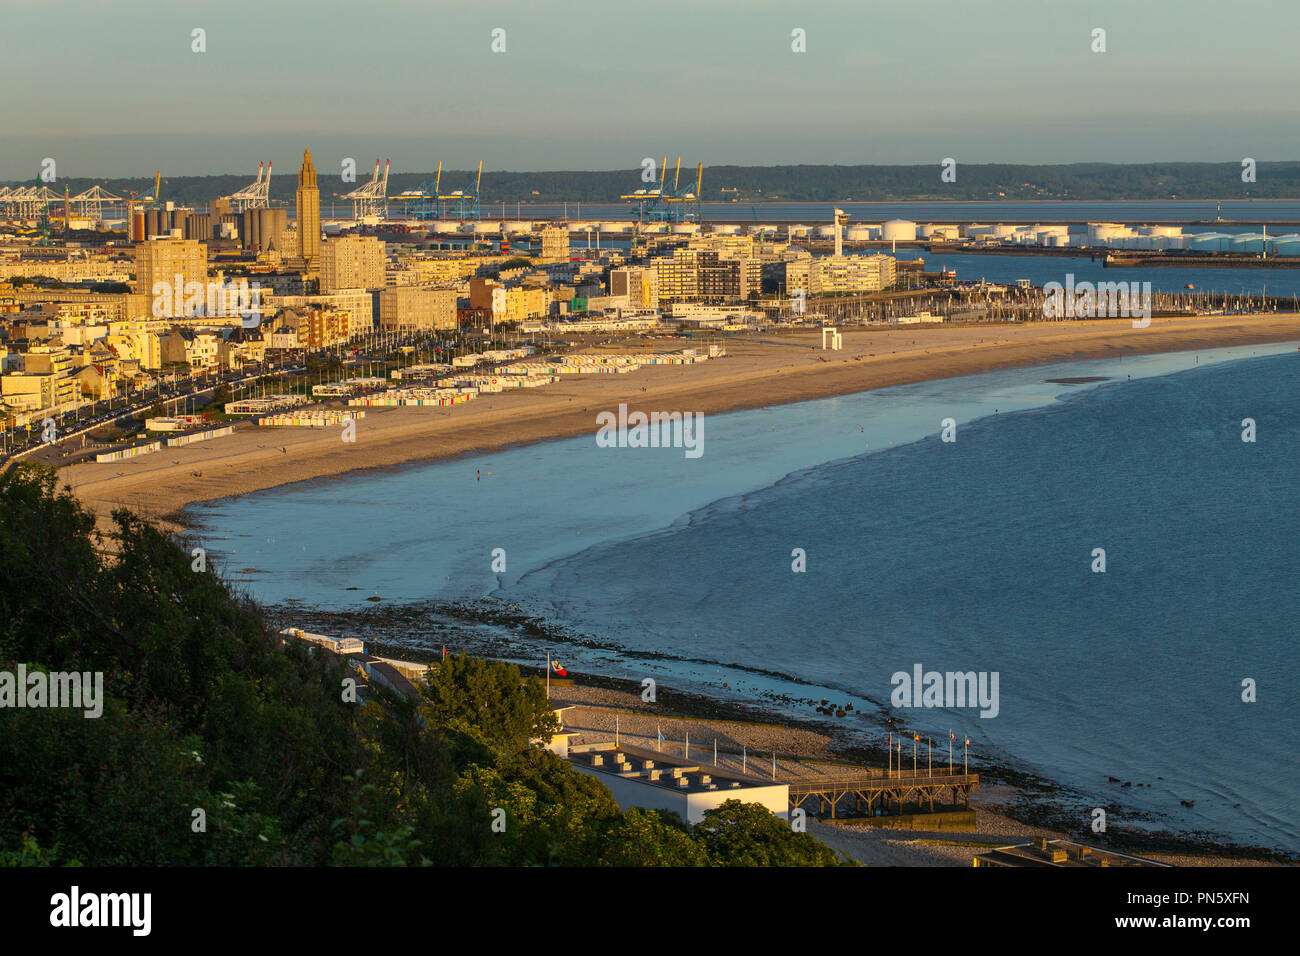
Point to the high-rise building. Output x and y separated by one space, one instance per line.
308 214
351 262
163 269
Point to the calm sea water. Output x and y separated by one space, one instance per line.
1043 269
1266 210
970 555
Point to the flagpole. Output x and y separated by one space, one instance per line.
616 731
929 760
950 739
548 675
914 739
688 745
744 759
890 751
715 751
964 768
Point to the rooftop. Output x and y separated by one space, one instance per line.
657 769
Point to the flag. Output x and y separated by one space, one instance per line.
559 670
951 735
967 741
916 737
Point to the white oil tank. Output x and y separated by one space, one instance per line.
903 230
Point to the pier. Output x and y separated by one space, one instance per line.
873 794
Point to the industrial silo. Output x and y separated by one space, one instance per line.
901 230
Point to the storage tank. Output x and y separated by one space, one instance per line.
935 231
858 233
725 229
797 230
826 232
444 227
1209 242
685 228
1248 242
977 230
1100 233
898 229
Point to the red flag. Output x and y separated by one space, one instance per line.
916 737
952 735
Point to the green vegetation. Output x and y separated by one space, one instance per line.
205 709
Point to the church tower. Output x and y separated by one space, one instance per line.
308 214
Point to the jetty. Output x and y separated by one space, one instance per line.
870 794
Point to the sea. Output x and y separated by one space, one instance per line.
1098 534
1205 211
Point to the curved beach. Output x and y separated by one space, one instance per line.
758 371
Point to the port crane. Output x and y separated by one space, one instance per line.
465 203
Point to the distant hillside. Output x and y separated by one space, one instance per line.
1084 182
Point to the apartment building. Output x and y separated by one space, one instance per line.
170 264
351 262
824 275
555 243
638 284
358 303
313 326
417 307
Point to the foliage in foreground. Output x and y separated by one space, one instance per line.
205 710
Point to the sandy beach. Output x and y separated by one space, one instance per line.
757 371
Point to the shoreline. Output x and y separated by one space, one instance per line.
757 372
1013 803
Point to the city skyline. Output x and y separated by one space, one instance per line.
876 85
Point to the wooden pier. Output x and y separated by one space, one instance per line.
868 794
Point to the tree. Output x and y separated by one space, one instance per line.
492 699
747 834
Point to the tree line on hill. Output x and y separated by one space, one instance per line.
805 183
205 709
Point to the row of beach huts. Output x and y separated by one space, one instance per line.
135 451
437 389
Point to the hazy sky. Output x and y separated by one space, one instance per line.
113 88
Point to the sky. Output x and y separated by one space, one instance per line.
116 89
